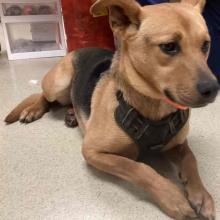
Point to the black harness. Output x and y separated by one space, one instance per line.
150 136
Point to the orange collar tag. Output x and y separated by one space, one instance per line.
175 105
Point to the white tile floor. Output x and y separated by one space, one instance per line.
44 177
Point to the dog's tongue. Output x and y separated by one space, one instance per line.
175 105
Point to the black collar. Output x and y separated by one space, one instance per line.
150 136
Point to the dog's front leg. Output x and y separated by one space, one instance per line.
166 194
198 196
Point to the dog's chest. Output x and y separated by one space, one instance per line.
151 136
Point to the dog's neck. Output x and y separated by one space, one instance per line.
154 109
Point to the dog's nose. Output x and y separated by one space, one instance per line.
208 89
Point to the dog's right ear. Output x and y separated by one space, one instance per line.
198 4
123 15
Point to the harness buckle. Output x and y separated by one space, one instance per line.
157 148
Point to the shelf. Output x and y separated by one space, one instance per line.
26 1
29 18
32 55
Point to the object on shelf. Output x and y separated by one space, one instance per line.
14 10
29 10
45 10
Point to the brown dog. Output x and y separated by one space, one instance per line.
161 65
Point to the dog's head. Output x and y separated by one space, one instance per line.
164 49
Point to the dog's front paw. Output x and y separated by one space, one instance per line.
202 202
173 201
70 118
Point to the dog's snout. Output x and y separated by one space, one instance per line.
208 89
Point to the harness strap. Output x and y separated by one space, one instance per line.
150 136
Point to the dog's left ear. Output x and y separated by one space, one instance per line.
198 4
123 15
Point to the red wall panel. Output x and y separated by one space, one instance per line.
82 29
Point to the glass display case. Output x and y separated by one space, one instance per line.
33 29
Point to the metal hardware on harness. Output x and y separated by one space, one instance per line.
157 147
150 136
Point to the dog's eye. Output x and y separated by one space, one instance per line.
171 48
206 46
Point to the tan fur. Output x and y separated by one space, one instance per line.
55 86
184 159
56 83
142 72
15 114
198 4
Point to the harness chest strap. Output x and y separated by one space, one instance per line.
150 136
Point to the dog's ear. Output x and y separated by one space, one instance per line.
198 4
123 14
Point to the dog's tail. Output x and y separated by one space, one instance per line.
14 115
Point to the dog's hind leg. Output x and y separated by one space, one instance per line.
56 87
56 84
197 195
35 111
29 109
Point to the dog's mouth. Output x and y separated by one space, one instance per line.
170 99
185 102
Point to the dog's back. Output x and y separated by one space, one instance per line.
89 64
